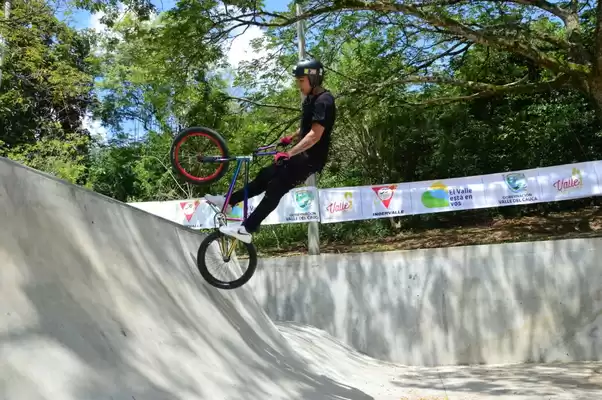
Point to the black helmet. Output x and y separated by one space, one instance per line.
311 68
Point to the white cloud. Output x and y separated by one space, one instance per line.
238 51
95 24
240 46
95 128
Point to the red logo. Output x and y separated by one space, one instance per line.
385 193
189 207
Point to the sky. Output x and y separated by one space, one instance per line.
83 19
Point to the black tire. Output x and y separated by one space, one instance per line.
212 135
212 280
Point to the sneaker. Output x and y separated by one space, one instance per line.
218 201
239 232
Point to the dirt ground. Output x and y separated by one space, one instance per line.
584 223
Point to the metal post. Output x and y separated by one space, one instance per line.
313 230
300 36
4 45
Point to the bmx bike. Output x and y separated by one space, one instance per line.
218 162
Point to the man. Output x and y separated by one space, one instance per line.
308 155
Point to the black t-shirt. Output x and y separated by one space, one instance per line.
320 109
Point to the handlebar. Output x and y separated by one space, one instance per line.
262 151
270 146
266 147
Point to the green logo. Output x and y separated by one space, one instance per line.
303 198
436 196
516 182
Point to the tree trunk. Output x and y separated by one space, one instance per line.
595 92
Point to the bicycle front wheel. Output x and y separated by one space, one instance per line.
228 258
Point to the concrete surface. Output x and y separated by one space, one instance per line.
482 382
100 300
507 303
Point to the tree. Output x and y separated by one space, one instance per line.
561 41
46 91
160 73
143 9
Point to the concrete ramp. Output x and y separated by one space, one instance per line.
100 300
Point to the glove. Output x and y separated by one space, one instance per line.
280 156
286 140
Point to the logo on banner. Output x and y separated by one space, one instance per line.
384 195
237 209
304 198
439 195
516 182
436 196
574 182
341 206
188 208
518 185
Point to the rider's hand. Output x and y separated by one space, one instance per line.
280 156
286 140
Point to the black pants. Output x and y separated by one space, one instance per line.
275 181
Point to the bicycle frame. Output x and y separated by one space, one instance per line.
259 152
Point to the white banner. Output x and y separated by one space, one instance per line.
304 204
163 209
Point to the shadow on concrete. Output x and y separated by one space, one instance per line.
101 300
537 381
524 381
510 303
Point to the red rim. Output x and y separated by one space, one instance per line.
184 172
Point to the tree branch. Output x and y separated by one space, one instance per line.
449 24
484 89
546 6
541 4
598 43
452 51
501 90
262 104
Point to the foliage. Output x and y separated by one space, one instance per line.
62 157
46 91
143 9
557 38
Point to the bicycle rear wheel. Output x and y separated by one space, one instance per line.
195 155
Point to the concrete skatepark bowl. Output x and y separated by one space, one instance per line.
100 300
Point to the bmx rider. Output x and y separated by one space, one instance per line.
307 156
